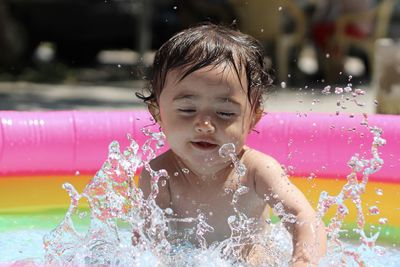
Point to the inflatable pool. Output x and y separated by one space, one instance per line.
39 151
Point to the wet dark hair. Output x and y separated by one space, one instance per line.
211 45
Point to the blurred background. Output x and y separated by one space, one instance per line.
95 54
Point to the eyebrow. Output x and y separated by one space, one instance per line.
220 99
184 96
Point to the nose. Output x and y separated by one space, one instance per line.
204 125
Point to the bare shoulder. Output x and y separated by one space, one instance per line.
265 170
260 163
259 157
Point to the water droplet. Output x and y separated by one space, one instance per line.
360 104
227 150
231 219
359 92
175 7
327 55
82 214
119 65
379 192
311 176
348 89
242 190
383 221
374 210
176 173
77 173
338 90
163 182
326 90
240 169
169 211
283 84
290 168
280 8
185 170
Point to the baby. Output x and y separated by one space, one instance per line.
206 91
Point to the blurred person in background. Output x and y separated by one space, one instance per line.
327 12
280 26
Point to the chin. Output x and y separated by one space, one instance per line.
206 160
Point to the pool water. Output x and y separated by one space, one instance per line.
22 246
25 246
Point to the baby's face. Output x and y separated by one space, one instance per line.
200 113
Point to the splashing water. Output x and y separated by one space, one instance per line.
243 230
127 229
367 254
113 198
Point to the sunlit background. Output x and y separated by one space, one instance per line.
95 54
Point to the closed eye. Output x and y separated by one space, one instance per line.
186 110
226 114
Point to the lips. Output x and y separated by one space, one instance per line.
204 145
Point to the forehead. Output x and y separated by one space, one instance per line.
224 76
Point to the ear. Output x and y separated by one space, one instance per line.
257 115
154 110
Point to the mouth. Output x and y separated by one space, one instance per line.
203 145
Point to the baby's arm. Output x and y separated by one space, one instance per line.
309 237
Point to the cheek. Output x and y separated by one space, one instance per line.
166 120
173 129
236 133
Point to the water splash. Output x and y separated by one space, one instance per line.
113 199
127 229
353 190
275 244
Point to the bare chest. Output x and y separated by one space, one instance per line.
214 201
